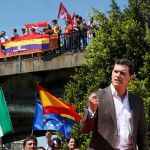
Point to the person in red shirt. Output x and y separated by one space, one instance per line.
68 35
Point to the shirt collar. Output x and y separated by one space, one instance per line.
114 92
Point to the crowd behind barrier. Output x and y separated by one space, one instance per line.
48 41
40 45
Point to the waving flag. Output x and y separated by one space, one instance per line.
73 18
63 13
51 121
37 24
54 105
5 121
52 113
29 44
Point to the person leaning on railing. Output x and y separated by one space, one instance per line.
68 35
57 30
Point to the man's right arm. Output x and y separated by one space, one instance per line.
86 124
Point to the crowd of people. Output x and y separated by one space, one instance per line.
78 32
31 143
31 30
76 35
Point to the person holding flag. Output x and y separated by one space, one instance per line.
49 145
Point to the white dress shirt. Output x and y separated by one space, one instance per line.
123 116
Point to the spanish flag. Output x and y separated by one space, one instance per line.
53 105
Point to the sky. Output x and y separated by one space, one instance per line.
17 13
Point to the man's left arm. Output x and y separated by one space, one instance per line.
142 133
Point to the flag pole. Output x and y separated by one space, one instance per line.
32 132
46 134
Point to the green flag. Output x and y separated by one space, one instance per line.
5 121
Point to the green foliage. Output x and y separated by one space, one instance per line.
123 34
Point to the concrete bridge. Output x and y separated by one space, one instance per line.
18 80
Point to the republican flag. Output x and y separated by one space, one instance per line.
5 121
63 13
27 42
51 121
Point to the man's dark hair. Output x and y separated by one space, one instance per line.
127 63
55 21
68 21
76 16
15 30
30 138
56 141
80 18
40 147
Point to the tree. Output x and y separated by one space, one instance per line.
123 34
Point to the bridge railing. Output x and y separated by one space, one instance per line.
65 42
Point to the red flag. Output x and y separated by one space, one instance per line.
63 13
37 24
73 18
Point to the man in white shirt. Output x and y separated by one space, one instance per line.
115 115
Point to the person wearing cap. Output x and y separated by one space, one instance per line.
56 27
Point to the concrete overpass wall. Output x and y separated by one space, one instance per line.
67 60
